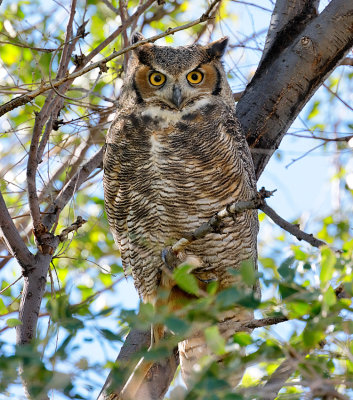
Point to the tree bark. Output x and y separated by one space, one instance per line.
287 78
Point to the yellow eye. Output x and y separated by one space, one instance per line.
194 77
157 79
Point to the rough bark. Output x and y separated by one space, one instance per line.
287 78
288 17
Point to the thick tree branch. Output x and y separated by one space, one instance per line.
289 17
269 106
158 381
279 378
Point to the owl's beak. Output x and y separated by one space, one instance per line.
177 98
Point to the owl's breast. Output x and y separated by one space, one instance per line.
175 171
188 164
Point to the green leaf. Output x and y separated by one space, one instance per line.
12 322
285 269
287 290
111 335
177 325
215 340
185 280
242 338
327 266
314 110
3 309
311 337
247 272
329 297
298 308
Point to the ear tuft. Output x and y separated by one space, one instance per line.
217 49
136 37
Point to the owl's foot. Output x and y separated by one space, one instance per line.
170 258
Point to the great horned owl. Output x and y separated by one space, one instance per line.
175 155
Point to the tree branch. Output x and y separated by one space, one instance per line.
269 106
214 225
291 228
13 240
289 17
279 377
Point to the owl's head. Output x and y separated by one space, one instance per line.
176 77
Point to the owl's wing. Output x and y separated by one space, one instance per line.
234 128
112 157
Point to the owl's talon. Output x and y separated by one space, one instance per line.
169 258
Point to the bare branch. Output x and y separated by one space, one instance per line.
338 97
292 229
122 28
11 284
69 45
25 46
73 227
279 377
124 16
110 6
214 225
13 240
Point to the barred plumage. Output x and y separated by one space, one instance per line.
174 156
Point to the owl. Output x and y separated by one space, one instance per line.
175 154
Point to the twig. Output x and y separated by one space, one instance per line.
25 46
338 97
338 139
110 6
11 284
291 228
213 225
124 16
12 238
73 227
140 10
